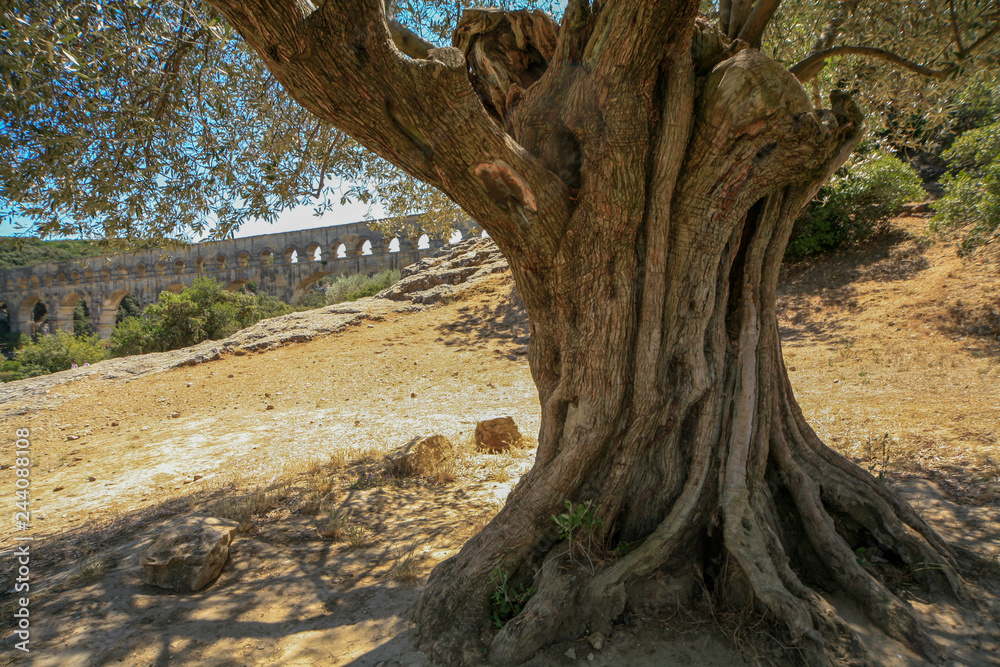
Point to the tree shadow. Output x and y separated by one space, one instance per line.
479 327
282 585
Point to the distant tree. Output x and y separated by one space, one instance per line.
56 352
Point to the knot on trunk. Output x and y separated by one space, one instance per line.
507 52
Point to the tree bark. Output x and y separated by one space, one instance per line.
641 173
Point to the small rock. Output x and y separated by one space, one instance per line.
189 554
269 407
413 394
114 423
72 437
596 640
58 488
91 479
175 415
498 434
590 657
792 369
571 653
196 478
424 455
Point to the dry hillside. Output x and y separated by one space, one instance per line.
893 350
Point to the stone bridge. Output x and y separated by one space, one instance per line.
284 265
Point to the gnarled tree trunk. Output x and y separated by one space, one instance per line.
641 172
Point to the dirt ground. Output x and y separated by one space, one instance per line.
893 351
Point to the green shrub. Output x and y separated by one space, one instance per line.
856 204
203 311
52 353
352 288
971 199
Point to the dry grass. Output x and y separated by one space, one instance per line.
406 566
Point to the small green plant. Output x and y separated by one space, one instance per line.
579 521
622 549
506 601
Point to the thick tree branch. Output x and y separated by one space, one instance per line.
811 65
340 61
752 30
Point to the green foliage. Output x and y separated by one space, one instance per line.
506 602
82 325
357 286
16 252
53 353
856 204
971 199
576 523
128 307
203 311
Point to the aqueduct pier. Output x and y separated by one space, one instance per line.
285 265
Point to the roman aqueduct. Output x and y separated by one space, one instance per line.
284 265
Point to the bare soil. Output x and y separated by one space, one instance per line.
893 350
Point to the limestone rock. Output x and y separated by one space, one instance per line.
424 455
189 554
498 434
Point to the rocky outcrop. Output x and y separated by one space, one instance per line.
424 455
498 434
189 554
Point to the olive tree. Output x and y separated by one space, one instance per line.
640 165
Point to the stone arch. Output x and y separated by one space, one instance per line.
304 285
338 250
364 247
47 280
122 272
220 262
313 253
178 267
266 257
291 255
174 288
235 285
28 320
423 242
33 281
109 311
22 283
140 270
67 309
199 264
394 244
88 275
74 276
243 259
61 278
160 268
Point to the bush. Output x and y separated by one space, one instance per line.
203 311
52 353
971 197
856 204
352 288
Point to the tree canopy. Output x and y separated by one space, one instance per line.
132 119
